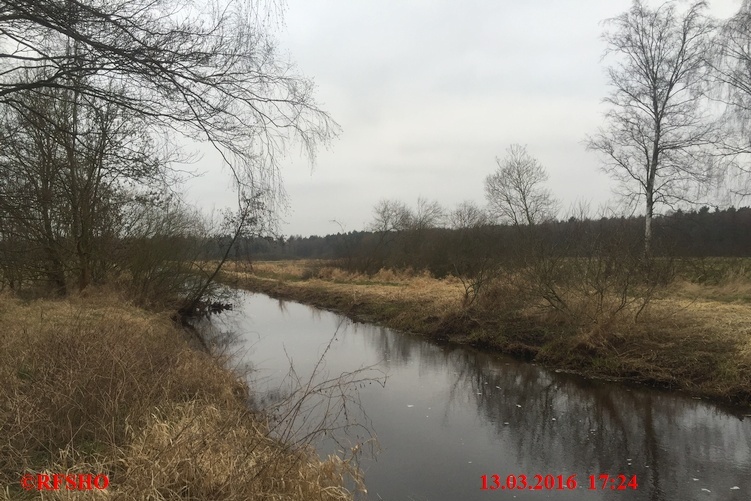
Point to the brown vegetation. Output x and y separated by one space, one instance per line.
688 335
94 385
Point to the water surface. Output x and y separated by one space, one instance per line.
448 415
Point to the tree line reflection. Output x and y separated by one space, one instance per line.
562 422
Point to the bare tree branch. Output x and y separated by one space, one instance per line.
207 70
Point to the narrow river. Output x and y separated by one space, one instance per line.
446 416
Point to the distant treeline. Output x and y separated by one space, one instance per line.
697 233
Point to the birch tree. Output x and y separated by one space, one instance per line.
657 134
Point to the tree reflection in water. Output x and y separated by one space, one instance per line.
450 414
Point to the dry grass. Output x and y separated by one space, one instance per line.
94 385
403 300
733 290
691 337
387 285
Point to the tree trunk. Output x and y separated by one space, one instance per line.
84 265
56 272
651 175
54 268
648 228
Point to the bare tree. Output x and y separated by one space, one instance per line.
467 215
64 164
657 133
391 215
428 215
516 192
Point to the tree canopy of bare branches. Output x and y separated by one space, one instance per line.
429 214
731 63
658 136
205 70
730 60
467 215
390 215
515 191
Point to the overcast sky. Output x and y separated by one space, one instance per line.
429 92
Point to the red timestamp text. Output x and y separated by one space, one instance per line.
603 481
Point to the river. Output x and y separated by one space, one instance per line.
447 418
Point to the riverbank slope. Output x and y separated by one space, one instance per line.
94 385
688 339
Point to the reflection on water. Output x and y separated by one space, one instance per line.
448 415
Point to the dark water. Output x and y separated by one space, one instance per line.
446 416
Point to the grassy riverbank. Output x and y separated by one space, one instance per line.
690 337
94 385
